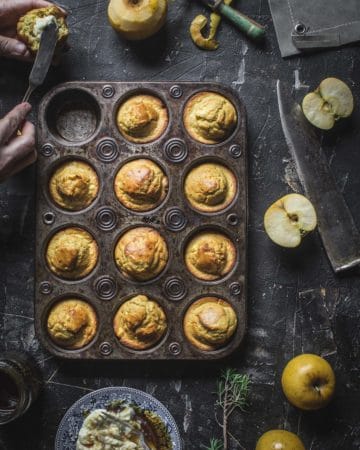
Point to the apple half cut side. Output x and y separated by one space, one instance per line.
331 101
289 219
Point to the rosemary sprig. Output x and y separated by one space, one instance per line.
232 393
215 444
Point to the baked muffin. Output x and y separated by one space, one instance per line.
141 185
74 185
209 323
210 255
209 118
142 118
72 253
72 323
31 25
210 187
140 323
141 253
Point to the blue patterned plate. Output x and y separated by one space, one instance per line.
72 421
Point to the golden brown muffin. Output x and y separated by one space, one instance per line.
140 323
72 323
31 25
209 323
209 118
210 255
142 118
141 185
72 253
210 187
74 185
141 253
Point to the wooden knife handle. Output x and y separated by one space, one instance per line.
248 26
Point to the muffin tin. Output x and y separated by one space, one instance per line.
77 120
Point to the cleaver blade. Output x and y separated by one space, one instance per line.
337 228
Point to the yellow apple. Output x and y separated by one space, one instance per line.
331 101
137 19
279 440
308 381
289 219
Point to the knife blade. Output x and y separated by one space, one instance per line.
43 58
337 228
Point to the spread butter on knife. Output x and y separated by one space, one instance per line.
43 58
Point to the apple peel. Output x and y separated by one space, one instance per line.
289 219
331 101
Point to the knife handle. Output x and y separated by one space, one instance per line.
248 26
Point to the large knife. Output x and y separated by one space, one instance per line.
43 58
337 228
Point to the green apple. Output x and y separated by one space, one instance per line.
331 101
308 382
279 440
289 219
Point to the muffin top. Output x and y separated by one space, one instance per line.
72 323
140 323
142 118
31 25
209 323
74 185
210 255
141 253
210 187
209 117
141 185
72 253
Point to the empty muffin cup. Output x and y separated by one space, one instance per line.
73 115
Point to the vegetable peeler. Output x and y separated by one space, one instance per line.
248 26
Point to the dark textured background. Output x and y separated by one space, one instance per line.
295 302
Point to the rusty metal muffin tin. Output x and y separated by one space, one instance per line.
77 121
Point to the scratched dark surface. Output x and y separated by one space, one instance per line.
295 302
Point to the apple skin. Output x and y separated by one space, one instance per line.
308 382
279 440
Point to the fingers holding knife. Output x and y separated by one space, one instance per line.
16 152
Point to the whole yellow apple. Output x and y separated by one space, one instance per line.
137 19
279 440
308 381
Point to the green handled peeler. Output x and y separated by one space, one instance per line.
241 21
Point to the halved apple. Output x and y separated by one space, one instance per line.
289 219
331 101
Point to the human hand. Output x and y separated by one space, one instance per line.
10 12
16 151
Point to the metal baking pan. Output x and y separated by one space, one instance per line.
77 121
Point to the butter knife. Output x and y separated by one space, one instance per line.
43 59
